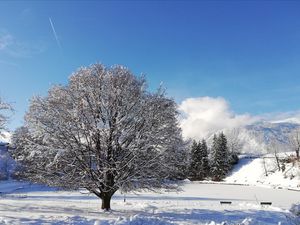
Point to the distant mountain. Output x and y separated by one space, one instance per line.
259 138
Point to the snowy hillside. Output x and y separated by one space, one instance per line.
263 172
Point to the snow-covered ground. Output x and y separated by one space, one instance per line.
253 172
198 203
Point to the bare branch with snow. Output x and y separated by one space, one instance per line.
103 131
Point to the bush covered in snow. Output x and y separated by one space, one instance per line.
6 162
295 209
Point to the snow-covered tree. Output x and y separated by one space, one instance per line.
176 158
5 108
294 142
199 165
103 131
195 161
20 138
219 165
204 161
235 145
274 147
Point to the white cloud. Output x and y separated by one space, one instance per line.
204 116
11 46
283 117
5 41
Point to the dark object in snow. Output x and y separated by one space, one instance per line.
265 203
225 202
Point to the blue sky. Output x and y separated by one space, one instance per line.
247 52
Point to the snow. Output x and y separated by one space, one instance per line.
256 138
197 203
295 209
251 171
5 137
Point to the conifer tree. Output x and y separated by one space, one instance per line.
195 161
219 157
204 160
224 152
199 167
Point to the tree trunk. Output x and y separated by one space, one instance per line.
106 201
266 171
297 154
277 160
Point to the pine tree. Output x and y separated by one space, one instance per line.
199 168
195 161
214 161
219 157
204 160
224 153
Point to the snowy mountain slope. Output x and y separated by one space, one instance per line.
259 137
267 132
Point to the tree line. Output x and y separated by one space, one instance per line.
213 163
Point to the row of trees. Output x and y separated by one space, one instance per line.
214 164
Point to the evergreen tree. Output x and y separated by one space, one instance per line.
224 152
204 160
195 161
219 157
199 168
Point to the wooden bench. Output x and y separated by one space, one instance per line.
225 202
265 203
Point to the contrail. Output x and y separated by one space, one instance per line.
55 34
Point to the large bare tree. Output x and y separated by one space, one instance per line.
103 131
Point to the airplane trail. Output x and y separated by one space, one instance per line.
55 34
